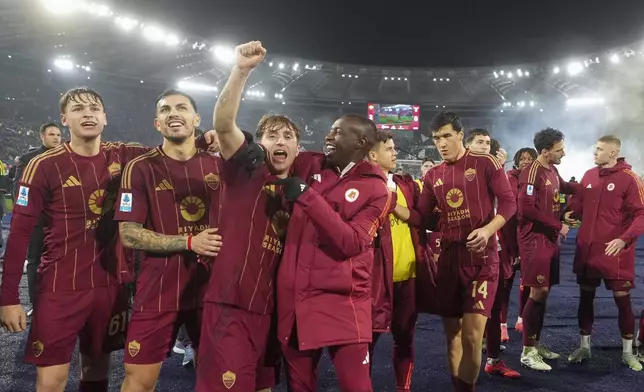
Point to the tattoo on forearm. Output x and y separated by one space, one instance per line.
135 236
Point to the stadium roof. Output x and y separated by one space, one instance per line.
106 43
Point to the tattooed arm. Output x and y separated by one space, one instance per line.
134 236
231 138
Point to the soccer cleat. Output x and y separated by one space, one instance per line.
188 357
640 353
546 353
504 333
579 355
178 348
631 361
532 360
519 326
500 368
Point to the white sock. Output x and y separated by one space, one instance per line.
627 346
492 361
585 341
520 320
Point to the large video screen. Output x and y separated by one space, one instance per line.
395 117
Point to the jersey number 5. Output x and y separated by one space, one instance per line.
479 289
118 324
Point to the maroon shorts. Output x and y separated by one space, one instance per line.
610 284
466 289
540 265
506 269
237 351
151 335
97 317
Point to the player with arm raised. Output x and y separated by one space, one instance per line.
539 230
611 209
169 203
239 302
80 288
464 187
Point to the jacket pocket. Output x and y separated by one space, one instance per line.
329 275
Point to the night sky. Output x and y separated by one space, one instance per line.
408 33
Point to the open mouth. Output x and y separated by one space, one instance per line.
329 148
175 124
88 124
280 155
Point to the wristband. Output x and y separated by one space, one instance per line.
189 242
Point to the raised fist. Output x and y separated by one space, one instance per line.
249 55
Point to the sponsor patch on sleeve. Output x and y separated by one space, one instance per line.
530 190
126 202
23 196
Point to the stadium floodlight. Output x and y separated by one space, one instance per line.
281 66
614 58
189 86
62 6
64 64
575 68
225 54
520 72
531 103
98 9
296 66
496 75
153 33
556 70
172 40
585 101
126 23
527 73
510 75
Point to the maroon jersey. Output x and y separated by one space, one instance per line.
253 224
173 198
539 203
465 192
610 205
509 231
74 194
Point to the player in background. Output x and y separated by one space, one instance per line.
399 239
464 187
509 240
168 209
427 164
80 284
479 141
610 207
235 354
539 230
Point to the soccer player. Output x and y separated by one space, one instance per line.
239 302
611 209
509 240
427 164
539 230
464 187
168 209
80 285
324 281
401 243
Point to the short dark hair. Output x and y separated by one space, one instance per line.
474 133
529 150
445 118
366 127
44 127
76 94
547 138
383 136
428 160
271 122
170 92
611 139
495 146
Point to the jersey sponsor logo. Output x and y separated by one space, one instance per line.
114 169
530 190
192 208
610 186
37 348
71 182
133 348
270 190
228 378
454 198
99 202
23 196
470 174
212 180
126 202
164 186
351 195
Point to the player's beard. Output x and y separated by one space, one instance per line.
175 139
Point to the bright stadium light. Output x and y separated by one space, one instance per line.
62 6
153 33
585 101
296 66
224 54
281 66
614 58
99 9
189 86
575 68
126 23
64 64
172 40
556 70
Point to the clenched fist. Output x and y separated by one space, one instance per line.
249 55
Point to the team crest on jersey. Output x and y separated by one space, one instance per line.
212 180
610 186
351 195
279 222
114 169
37 348
228 379
470 174
627 284
133 348
541 279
